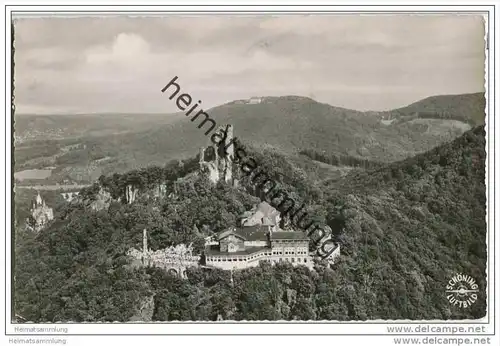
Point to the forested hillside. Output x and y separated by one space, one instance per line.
415 224
83 147
294 123
404 230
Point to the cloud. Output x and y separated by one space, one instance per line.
363 62
127 48
130 56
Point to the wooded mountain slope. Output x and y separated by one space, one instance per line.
404 230
465 107
291 124
411 226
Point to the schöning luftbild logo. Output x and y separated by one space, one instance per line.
462 290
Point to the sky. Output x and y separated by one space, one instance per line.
362 62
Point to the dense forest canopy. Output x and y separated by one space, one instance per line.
404 229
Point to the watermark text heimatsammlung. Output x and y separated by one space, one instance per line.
323 244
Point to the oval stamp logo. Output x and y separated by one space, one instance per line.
462 290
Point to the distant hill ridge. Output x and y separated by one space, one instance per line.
295 123
288 123
278 99
469 108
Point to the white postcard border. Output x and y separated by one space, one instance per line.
272 327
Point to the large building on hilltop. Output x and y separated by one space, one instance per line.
245 247
260 237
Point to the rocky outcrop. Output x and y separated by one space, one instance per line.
226 162
291 296
102 200
160 191
144 312
219 166
210 168
131 193
70 196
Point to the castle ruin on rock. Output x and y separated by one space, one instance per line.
215 160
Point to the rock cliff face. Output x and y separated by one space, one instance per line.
215 160
144 312
210 168
70 196
160 191
131 193
226 162
41 215
102 201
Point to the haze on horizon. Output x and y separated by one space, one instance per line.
119 64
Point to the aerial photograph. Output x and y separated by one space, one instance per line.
258 167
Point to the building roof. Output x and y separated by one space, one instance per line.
262 213
289 235
260 232
268 221
267 209
247 213
229 231
214 250
252 233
